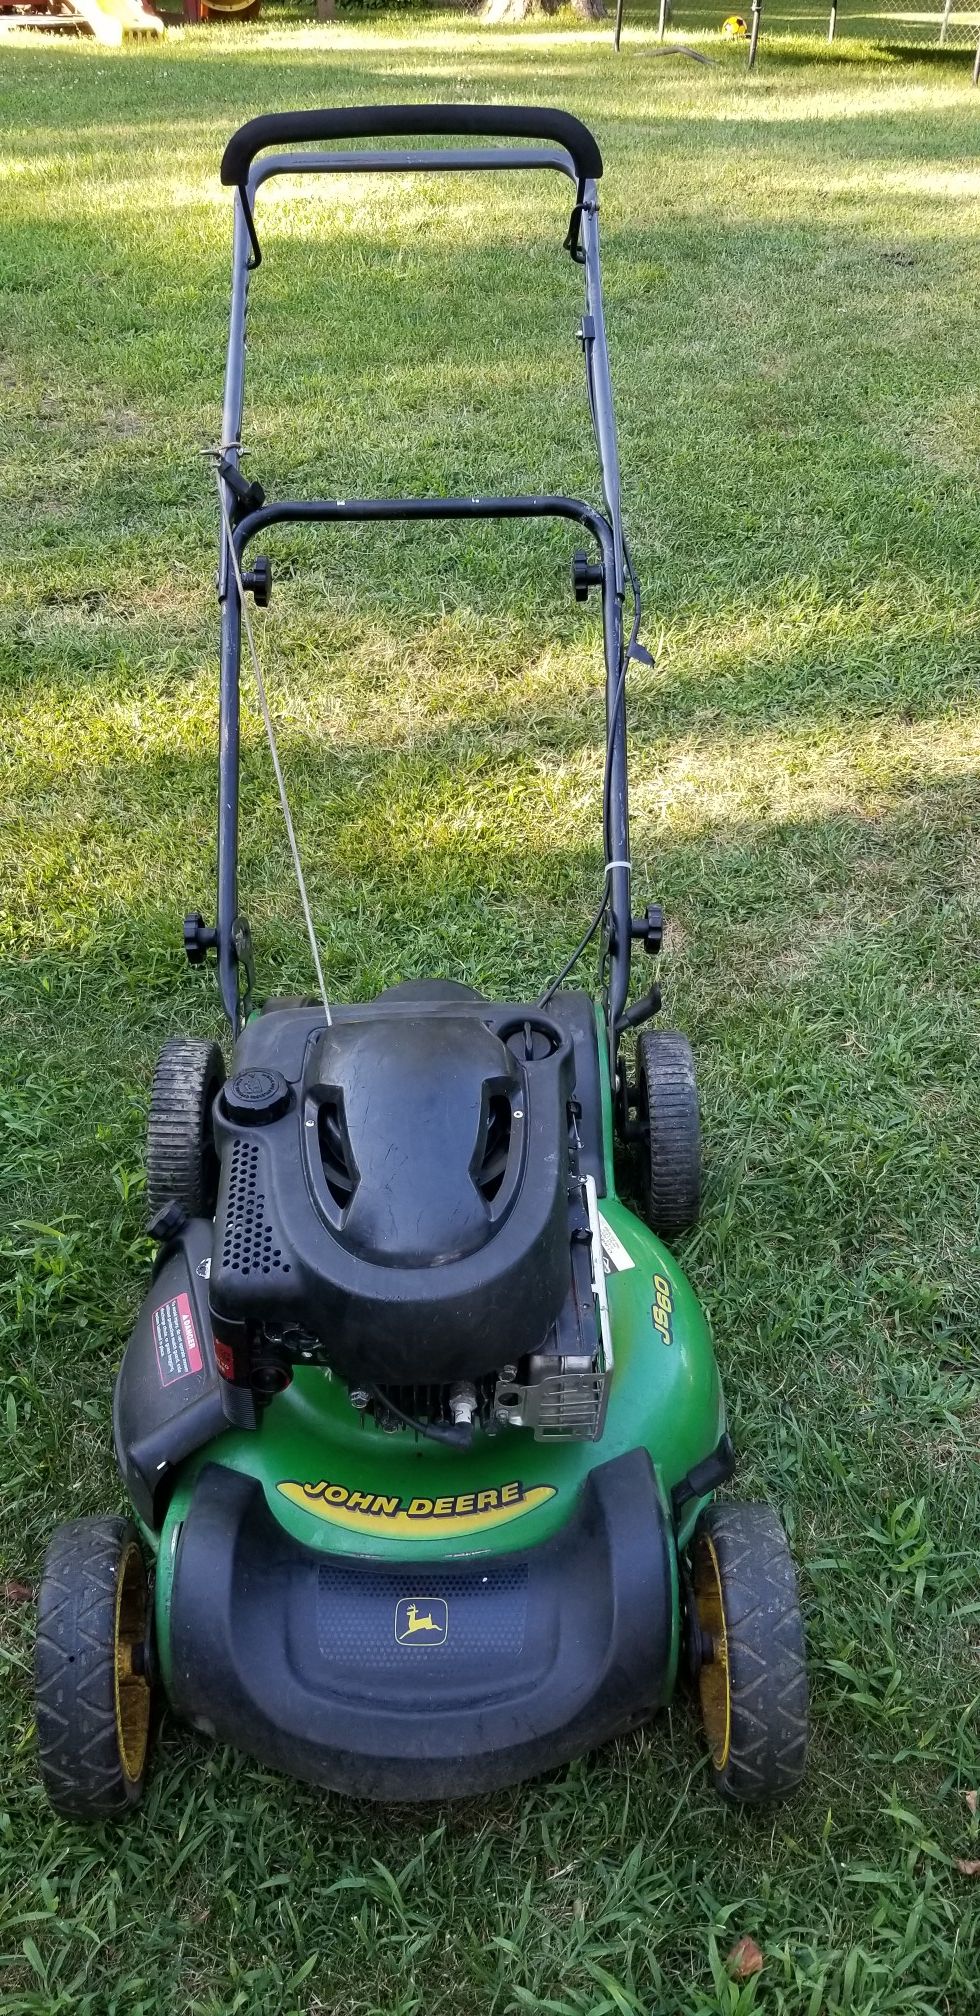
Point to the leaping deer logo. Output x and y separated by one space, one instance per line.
417 1623
425 1620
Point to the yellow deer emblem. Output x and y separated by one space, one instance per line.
417 1623
431 1618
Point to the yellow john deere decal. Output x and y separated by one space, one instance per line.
417 1518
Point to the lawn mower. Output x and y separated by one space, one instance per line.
421 1425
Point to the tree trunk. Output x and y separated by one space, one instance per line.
519 10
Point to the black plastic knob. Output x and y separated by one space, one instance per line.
259 581
198 938
649 928
586 574
254 1098
167 1223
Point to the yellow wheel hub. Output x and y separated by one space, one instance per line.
132 1684
714 1682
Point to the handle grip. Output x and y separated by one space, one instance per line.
365 122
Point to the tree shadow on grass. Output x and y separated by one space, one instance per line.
438 860
361 406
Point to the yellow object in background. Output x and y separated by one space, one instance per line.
734 25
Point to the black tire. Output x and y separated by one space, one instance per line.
752 1683
91 1679
667 1104
181 1161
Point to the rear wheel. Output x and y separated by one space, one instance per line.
92 1669
750 1651
670 1123
181 1160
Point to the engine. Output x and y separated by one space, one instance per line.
408 1200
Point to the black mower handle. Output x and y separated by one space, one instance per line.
369 122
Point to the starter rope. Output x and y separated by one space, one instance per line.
273 750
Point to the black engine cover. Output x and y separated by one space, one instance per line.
396 1185
413 1097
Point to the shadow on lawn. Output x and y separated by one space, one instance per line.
447 863
404 382
425 693
217 97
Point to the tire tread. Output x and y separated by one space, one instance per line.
190 1071
74 1671
669 1112
766 1652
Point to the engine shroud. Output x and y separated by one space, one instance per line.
403 1185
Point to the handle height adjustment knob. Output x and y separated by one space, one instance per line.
258 581
586 574
199 938
649 929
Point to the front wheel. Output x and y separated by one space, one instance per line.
92 1682
750 1652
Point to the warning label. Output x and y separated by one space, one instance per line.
178 1350
615 1257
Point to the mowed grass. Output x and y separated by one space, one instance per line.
791 276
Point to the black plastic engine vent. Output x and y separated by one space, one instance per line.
339 1171
496 1148
248 1240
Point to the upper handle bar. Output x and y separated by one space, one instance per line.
367 122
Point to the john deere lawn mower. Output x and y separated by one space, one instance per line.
420 1423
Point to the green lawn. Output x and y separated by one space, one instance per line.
791 290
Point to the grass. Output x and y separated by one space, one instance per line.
791 295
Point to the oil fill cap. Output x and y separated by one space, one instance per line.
256 1097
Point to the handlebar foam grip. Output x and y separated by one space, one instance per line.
365 122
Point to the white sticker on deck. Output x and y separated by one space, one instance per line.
615 1254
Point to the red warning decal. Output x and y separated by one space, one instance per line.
178 1349
225 1357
